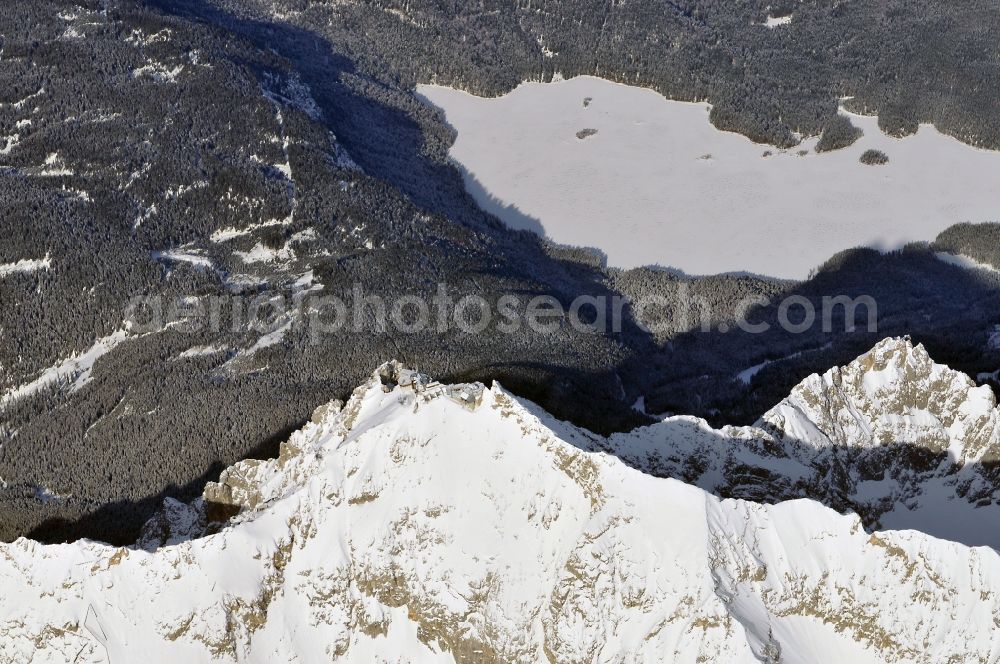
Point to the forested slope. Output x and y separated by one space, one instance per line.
154 156
908 61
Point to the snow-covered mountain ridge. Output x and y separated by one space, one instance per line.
900 440
422 524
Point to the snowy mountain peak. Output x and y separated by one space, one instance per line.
891 396
427 523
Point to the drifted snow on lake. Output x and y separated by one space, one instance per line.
657 184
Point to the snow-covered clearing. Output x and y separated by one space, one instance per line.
54 167
964 262
158 72
9 143
202 351
25 265
273 338
659 185
179 256
77 368
263 254
231 232
746 376
774 22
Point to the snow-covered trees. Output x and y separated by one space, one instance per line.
874 158
838 133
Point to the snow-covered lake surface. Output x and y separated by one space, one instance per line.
659 185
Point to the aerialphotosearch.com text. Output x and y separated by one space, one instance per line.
444 311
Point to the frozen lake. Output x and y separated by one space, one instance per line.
657 184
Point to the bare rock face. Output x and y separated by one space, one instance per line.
176 522
409 525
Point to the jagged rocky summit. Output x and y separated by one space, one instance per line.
428 523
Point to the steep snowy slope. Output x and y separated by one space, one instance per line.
436 524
